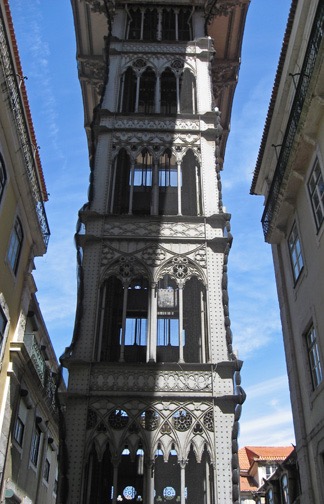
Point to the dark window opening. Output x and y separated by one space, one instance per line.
134 340
121 186
99 478
184 25
135 24
190 194
194 321
168 25
142 183
128 86
168 92
168 184
150 24
146 104
187 86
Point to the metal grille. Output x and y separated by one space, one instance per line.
301 92
17 109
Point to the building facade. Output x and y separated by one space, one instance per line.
268 472
28 418
289 173
154 392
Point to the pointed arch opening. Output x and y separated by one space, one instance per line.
168 184
128 86
168 92
190 190
142 183
187 88
99 475
123 320
199 478
146 102
120 183
167 481
195 347
167 321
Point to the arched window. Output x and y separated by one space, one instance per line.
168 92
15 245
146 104
3 177
187 97
128 86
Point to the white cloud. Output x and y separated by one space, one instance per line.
268 430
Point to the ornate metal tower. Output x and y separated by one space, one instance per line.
153 396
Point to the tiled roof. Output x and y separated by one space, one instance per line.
274 94
248 484
249 454
25 99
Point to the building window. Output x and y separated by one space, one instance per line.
15 245
316 192
295 252
285 489
19 431
3 177
3 324
270 470
47 467
314 357
35 446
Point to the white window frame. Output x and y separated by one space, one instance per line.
315 186
15 245
4 335
295 252
35 446
314 358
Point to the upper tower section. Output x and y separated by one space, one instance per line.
201 29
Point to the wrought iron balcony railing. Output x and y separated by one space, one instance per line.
44 374
293 121
28 150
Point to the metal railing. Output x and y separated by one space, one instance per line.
293 121
44 373
17 108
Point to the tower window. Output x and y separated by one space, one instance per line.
135 24
150 24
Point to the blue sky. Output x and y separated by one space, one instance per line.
45 34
